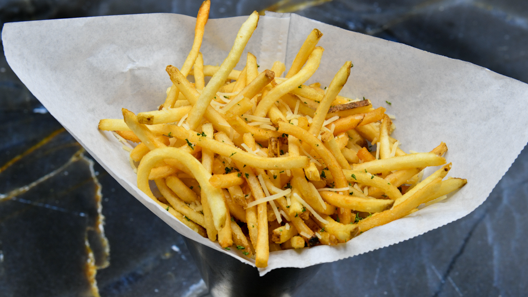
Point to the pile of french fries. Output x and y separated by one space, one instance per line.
261 162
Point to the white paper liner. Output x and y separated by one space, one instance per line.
87 69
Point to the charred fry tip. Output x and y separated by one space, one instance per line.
318 33
269 74
126 112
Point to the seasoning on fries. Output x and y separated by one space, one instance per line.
260 163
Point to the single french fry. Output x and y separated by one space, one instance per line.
296 221
440 173
193 226
342 232
207 154
326 238
341 140
250 91
243 36
370 131
212 232
365 156
128 135
252 67
312 173
162 172
210 70
198 72
240 240
401 162
355 138
281 234
276 115
338 82
300 183
448 186
319 148
178 204
226 180
304 52
356 203
177 186
113 125
399 177
350 155
384 143
192 95
241 81
212 195
278 68
235 210
252 224
349 108
225 235
238 195
298 79
141 131
139 151
295 207
172 97
291 102
331 144
238 154
373 181
310 194
398 211
241 107
242 127
296 242
201 20
357 120
163 116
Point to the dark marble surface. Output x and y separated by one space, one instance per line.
50 188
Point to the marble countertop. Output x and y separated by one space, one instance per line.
52 194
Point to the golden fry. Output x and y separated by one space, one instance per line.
298 79
201 105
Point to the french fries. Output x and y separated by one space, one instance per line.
260 162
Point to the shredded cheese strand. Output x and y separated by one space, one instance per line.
330 120
334 189
318 195
270 198
314 213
